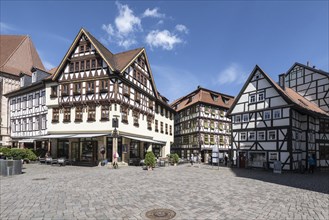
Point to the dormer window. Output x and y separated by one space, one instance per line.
82 48
22 81
34 77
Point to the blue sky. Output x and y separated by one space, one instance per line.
215 44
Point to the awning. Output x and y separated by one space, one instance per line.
142 139
26 141
52 136
87 135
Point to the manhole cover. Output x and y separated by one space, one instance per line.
160 214
39 178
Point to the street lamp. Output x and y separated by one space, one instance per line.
115 125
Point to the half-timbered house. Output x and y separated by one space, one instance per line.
92 86
28 110
17 54
201 123
271 122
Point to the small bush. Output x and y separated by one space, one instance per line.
175 158
6 151
149 159
19 154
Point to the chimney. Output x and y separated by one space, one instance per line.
308 63
282 81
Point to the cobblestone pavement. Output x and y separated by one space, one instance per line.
52 192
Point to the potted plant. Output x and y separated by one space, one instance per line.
175 159
149 160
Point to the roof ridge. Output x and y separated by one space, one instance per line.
25 36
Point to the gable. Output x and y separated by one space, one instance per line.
259 92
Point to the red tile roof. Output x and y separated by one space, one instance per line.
18 54
202 95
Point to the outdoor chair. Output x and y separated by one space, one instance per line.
61 161
42 160
49 160
54 161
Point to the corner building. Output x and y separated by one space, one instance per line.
89 89
285 122
201 123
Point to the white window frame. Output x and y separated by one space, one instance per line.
247 117
258 135
269 113
275 115
236 117
245 136
252 98
269 137
34 77
249 134
258 96
273 156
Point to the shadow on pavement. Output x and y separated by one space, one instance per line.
318 181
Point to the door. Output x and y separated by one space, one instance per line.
75 151
242 159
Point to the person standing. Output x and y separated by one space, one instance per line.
192 159
115 162
311 163
225 159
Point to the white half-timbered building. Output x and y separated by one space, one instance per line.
201 123
92 86
28 110
272 122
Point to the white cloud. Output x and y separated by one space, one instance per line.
6 28
181 28
163 39
153 13
48 65
126 22
233 74
108 28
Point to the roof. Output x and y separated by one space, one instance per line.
309 68
202 95
18 54
53 70
289 95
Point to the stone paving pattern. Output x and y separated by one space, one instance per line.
192 192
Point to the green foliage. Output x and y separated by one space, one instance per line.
40 152
19 154
149 159
175 158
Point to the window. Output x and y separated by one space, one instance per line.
91 113
82 65
221 139
267 115
34 77
271 135
18 104
124 115
136 118
30 123
104 86
43 122
324 152
237 118
149 122
150 104
261 96
99 63
55 115
77 89
65 90
43 97
67 115
261 135
243 136
90 87
13 104
37 100
245 118
272 156
82 48
105 113
87 64
71 67
251 136
277 114
53 93
170 129
93 63
22 81
13 126
324 126
18 125
24 102
76 66
126 90
37 123
161 127
252 98
220 126
87 47
166 128
137 97
78 114
156 126
24 125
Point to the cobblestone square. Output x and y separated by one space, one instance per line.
70 192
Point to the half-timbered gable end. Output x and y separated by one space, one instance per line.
311 83
97 86
272 122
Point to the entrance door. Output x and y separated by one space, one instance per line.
75 151
242 159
